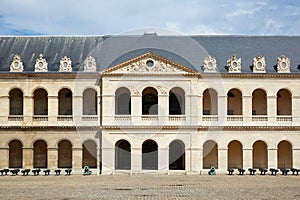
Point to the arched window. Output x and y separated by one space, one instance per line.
284 155
284 102
89 154
89 102
176 155
234 102
40 102
210 154
15 154
123 155
259 102
149 155
176 101
150 101
235 154
65 102
210 102
260 155
64 154
40 155
15 102
122 101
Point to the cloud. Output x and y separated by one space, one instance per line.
91 17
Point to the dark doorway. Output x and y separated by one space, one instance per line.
89 154
123 155
15 154
40 154
150 102
149 155
176 156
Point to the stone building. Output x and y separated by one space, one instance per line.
149 103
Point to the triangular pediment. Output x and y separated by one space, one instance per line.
149 63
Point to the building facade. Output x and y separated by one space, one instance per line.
149 103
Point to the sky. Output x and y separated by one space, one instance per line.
113 17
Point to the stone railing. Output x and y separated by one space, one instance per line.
284 118
89 118
209 118
40 118
65 118
177 118
235 118
260 118
15 118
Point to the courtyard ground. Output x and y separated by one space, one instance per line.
146 186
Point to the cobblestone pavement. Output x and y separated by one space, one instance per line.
146 186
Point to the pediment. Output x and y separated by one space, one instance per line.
149 63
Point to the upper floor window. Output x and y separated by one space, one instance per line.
65 102
122 101
40 102
234 102
150 101
176 101
284 102
15 102
259 102
89 102
210 102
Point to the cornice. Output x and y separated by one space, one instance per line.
49 75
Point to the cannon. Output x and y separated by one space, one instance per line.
86 170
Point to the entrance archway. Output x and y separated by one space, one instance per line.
64 154
123 155
89 154
260 155
15 154
149 155
176 155
210 154
284 155
235 154
40 155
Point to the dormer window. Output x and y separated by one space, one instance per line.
259 64
283 64
234 64
210 64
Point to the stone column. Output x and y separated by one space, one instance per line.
247 110
136 107
196 160
99 164
4 156
222 108
199 111
77 106
52 108
247 158
296 109
272 157
108 160
77 159
52 157
27 157
136 159
222 159
296 156
28 108
272 110
4 101
163 160
163 108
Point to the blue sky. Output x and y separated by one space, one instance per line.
190 17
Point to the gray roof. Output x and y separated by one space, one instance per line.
112 50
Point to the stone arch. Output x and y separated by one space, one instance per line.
123 155
234 102
40 99
149 155
260 154
210 102
89 154
89 104
235 154
65 102
64 154
259 102
176 101
40 154
16 99
15 154
284 102
177 155
150 101
210 154
122 101
284 154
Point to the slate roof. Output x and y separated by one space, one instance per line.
112 50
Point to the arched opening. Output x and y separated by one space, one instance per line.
64 154
234 102
123 102
150 101
176 155
259 102
65 102
40 155
123 155
176 101
260 155
284 102
149 155
89 154
15 154
15 102
40 102
284 155
89 102
210 154
210 102
235 155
